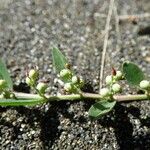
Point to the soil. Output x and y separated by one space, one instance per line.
29 30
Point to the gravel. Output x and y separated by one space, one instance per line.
28 31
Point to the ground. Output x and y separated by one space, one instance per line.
29 30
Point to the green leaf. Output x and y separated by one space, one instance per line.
20 102
101 108
59 60
4 74
132 73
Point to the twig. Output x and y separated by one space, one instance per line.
133 17
105 42
129 17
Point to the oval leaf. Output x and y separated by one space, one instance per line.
101 108
59 60
132 73
20 102
4 74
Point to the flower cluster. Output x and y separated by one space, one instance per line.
4 91
31 80
72 83
113 86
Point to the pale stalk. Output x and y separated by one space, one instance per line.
89 96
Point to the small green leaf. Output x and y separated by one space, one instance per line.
132 73
59 60
4 74
101 108
20 102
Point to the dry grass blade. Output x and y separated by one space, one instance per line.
107 26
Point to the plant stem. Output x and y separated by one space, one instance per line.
90 96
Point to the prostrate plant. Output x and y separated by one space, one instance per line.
105 101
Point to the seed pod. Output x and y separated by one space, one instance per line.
3 84
75 80
116 88
33 74
109 80
144 84
65 74
29 81
41 87
119 75
68 87
104 92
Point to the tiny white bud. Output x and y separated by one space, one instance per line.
33 74
109 80
3 84
68 87
75 80
81 82
104 92
116 88
1 96
41 87
65 73
12 95
119 75
144 84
